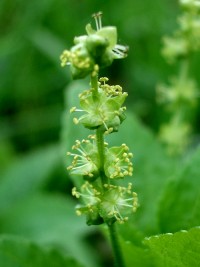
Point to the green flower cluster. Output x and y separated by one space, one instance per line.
109 112
101 110
102 201
109 205
117 160
98 47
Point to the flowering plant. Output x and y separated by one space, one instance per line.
102 111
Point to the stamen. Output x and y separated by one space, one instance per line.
104 80
120 50
97 17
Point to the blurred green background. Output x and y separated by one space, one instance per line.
35 199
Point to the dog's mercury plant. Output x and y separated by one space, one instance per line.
180 96
101 110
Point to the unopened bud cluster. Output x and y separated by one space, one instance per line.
101 110
98 47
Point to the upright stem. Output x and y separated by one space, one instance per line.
119 261
99 133
104 179
94 85
101 151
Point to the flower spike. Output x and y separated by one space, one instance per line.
101 110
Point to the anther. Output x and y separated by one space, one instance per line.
97 17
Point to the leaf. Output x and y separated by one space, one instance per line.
18 252
50 220
136 255
26 175
180 205
181 249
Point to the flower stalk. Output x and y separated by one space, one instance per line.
119 261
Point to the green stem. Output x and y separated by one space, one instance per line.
94 85
99 133
119 261
104 179
101 151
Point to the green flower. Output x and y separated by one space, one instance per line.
104 37
107 111
174 47
183 91
175 135
86 161
90 200
99 47
118 162
80 62
117 202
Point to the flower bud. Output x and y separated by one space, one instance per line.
99 47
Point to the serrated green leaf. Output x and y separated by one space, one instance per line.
18 252
180 205
50 220
27 175
181 249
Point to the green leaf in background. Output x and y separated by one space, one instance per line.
50 220
18 252
135 255
181 249
180 205
27 174
49 44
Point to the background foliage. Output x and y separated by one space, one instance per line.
36 209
